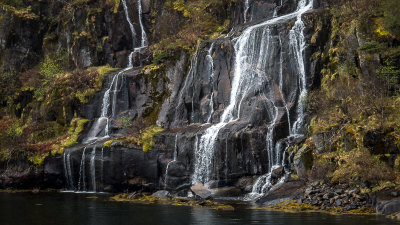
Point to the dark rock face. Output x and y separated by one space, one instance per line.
388 207
116 168
22 174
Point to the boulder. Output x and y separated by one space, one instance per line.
245 183
388 207
277 172
328 195
288 191
161 194
338 202
201 191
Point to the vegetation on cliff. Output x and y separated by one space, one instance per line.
355 123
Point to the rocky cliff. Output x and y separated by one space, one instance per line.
220 93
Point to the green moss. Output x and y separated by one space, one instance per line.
150 199
20 12
5 155
77 126
38 158
108 143
294 207
160 56
147 137
317 30
372 47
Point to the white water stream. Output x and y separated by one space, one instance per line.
252 49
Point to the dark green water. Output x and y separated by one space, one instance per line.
76 209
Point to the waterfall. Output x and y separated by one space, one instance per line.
68 170
102 168
101 127
143 41
252 73
93 169
131 27
82 172
297 46
174 160
246 9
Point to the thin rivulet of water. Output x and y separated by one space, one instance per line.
169 163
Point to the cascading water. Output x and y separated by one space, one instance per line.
246 9
68 170
174 160
143 41
102 169
211 64
131 27
297 46
254 60
93 169
101 127
82 172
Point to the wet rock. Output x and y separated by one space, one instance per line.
201 191
161 194
354 191
339 202
394 194
328 195
388 207
245 183
277 172
315 184
309 191
134 195
339 191
290 190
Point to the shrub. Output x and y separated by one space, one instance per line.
392 16
372 47
49 68
360 165
147 137
77 126
322 169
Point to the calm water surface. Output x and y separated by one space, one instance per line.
76 209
